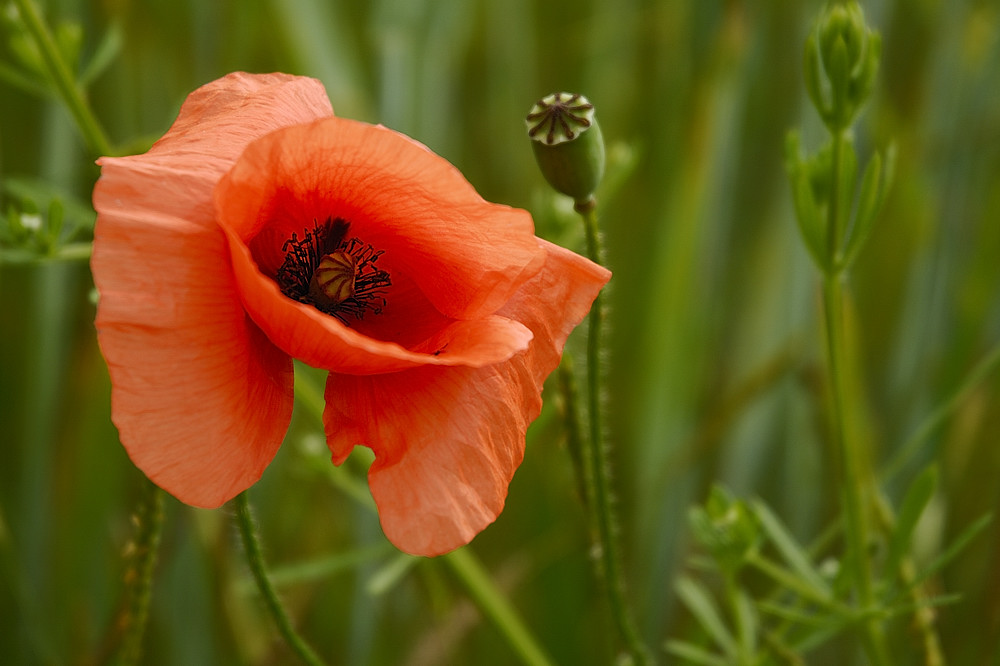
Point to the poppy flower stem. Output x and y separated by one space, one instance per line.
255 558
65 84
149 521
598 484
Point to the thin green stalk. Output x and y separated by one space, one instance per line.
598 481
571 420
63 79
251 544
150 528
480 587
854 476
745 632
939 416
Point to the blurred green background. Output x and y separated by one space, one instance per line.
716 364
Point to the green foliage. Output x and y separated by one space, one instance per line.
715 376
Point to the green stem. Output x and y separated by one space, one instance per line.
494 606
854 475
251 544
147 542
744 633
571 420
63 79
598 481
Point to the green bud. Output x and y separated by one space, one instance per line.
841 60
727 528
567 143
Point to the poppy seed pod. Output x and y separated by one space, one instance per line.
567 143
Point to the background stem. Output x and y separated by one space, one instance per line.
63 79
147 542
854 472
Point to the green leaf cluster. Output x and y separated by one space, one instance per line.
781 600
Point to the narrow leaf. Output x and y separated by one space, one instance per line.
694 654
918 495
390 574
746 622
874 186
790 549
703 608
865 217
108 49
807 214
957 546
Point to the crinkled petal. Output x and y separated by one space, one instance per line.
448 440
467 256
200 397
219 119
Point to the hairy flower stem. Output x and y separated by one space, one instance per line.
855 475
62 77
149 521
598 484
251 544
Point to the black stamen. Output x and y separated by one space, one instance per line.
303 257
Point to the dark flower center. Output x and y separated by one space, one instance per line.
335 274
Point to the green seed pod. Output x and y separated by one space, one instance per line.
567 143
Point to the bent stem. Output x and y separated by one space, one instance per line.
251 544
66 85
854 474
150 524
598 485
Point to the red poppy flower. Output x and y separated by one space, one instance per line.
261 228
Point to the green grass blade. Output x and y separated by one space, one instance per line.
790 550
694 654
700 603
915 501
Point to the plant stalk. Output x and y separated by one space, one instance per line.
255 558
598 484
65 83
147 542
854 475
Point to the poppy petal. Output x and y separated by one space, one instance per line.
219 119
201 398
448 440
466 255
